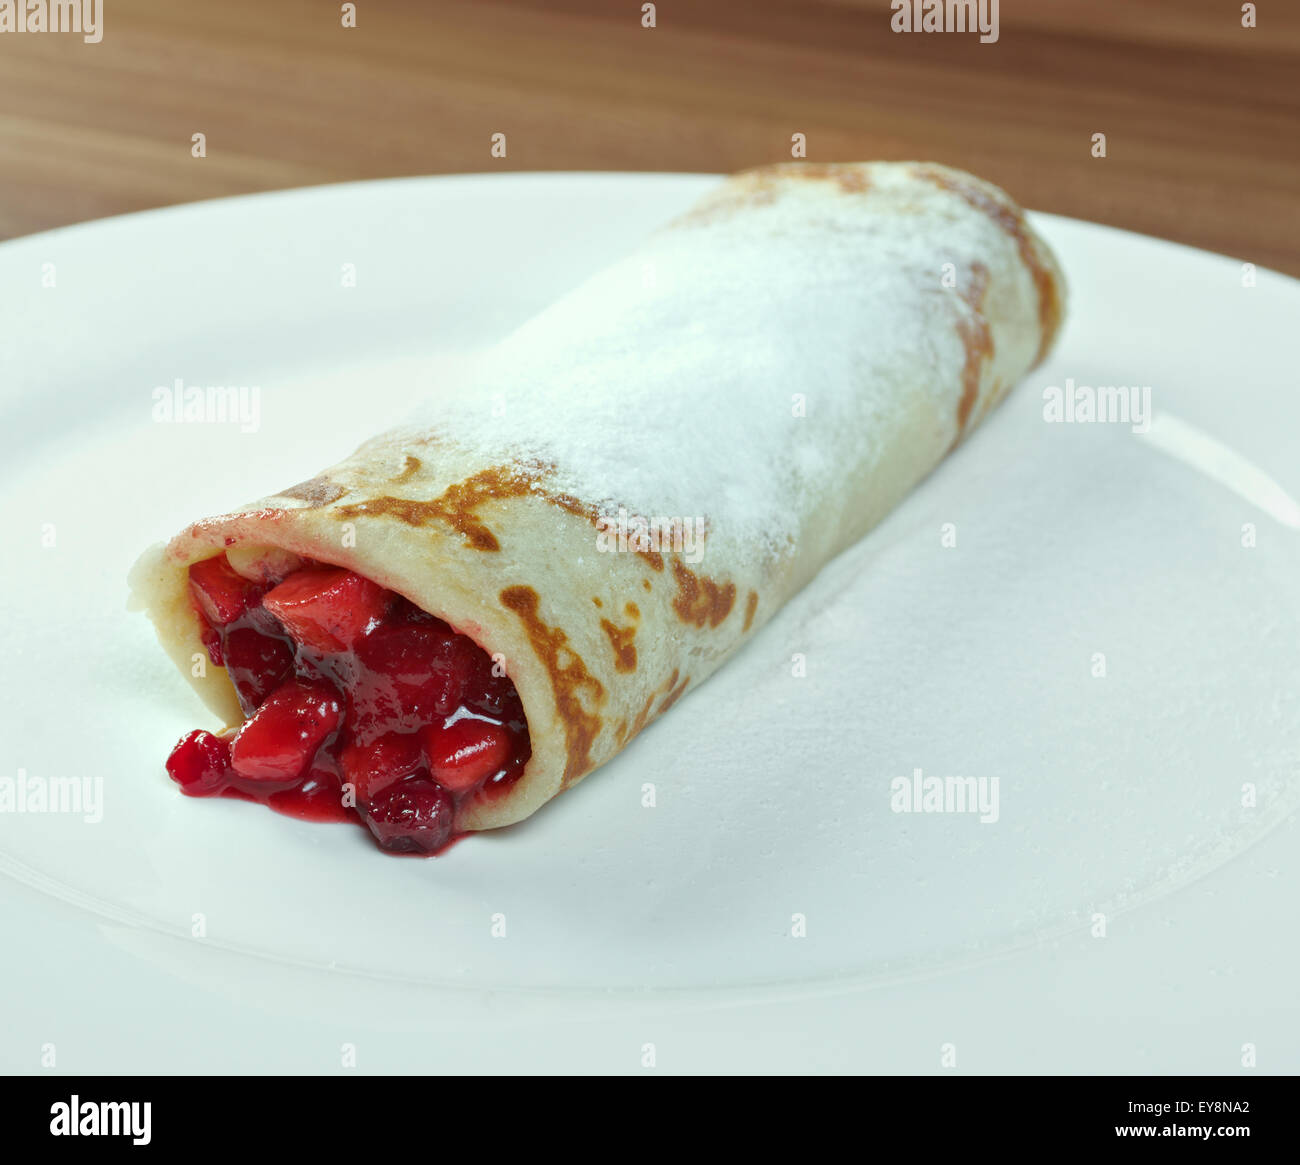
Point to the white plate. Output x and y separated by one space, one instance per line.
1119 796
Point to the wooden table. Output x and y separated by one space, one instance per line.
1201 116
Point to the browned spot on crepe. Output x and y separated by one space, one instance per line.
572 685
595 600
671 691
642 718
621 640
645 582
751 605
632 610
1012 220
699 599
410 467
458 504
762 186
674 694
977 339
851 179
997 390
317 492
596 517
731 198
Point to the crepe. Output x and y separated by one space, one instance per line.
763 379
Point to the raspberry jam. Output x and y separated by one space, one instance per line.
359 706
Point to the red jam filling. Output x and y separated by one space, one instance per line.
359 706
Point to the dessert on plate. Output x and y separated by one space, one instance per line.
475 611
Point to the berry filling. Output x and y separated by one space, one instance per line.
359 705
328 610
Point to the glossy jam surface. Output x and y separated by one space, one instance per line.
359 705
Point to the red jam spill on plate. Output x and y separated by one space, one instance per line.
346 683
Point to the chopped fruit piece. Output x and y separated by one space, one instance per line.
267 565
465 753
257 665
327 609
284 734
200 763
414 816
220 593
371 768
409 676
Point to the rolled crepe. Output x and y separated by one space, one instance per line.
637 479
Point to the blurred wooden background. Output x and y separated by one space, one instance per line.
1202 117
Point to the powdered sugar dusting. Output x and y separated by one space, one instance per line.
749 359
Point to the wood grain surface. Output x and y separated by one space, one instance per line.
1201 115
